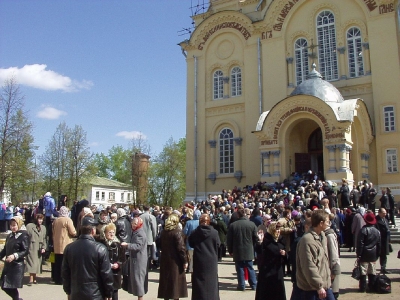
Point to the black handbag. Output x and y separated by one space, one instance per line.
390 248
383 284
356 273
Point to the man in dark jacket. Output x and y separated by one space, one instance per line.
371 197
368 251
123 225
86 268
242 235
383 227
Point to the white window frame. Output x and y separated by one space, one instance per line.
226 151
97 195
301 59
354 52
392 165
327 54
236 82
103 196
389 118
129 197
122 197
218 85
111 196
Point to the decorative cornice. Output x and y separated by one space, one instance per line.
265 154
355 90
247 2
212 143
331 148
276 153
212 176
238 141
341 49
224 110
238 175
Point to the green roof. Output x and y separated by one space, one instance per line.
101 181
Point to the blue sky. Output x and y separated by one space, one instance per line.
113 67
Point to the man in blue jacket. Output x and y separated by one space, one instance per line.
50 208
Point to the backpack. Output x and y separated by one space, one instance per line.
383 284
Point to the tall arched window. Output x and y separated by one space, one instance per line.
226 158
327 55
218 84
356 63
301 56
236 82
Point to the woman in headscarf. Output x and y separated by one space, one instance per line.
63 232
86 212
270 284
104 220
15 250
205 242
173 261
138 272
37 247
116 255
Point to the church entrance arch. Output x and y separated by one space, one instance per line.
305 151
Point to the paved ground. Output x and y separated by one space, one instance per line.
227 278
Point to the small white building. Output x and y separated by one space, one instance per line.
106 192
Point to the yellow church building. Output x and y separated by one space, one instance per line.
282 86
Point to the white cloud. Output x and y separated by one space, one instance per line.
94 144
50 113
131 135
38 77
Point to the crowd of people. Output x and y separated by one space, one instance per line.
97 251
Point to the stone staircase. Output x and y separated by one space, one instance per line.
394 231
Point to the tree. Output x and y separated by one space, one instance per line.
115 165
67 162
167 174
80 163
103 165
53 162
16 142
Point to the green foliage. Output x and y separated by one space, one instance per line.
116 165
16 144
67 162
167 175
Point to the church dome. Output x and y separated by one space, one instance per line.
317 87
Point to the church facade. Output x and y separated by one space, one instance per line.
282 86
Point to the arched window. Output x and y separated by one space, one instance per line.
327 55
356 64
226 158
218 84
301 56
236 82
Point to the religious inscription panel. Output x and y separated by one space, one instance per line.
235 25
297 109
